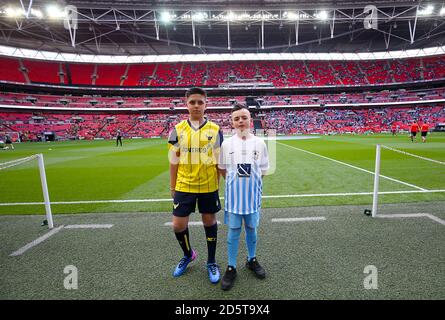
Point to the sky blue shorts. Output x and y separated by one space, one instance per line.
235 221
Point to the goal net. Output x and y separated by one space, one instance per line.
39 157
418 178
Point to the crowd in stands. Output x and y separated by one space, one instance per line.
278 73
329 121
88 101
31 126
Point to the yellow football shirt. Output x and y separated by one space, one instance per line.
198 148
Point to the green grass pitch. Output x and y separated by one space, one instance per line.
304 260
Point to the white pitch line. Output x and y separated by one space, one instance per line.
36 242
411 215
434 218
413 155
351 166
89 226
346 194
191 223
303 219
264 197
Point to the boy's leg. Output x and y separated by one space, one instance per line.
233 237
180 228
234 223
211 231
251 224
251 239
183 205
209 205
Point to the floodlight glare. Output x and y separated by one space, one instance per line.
166 17
199 16
37 13
322 15
55 12
14 12
292 15
427 11
230 16
442 11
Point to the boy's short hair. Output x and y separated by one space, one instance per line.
239 106
195 90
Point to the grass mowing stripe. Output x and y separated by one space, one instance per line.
354 167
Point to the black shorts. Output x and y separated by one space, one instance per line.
413 133
424 133
184 203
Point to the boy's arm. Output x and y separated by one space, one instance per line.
265 165
173 157
173 177
222 172
221 165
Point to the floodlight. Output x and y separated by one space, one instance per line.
322 15
55 12
166 17
14 12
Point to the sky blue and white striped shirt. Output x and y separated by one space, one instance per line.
245 161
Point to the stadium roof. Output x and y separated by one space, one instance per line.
128 27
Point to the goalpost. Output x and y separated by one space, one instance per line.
375 197
41 163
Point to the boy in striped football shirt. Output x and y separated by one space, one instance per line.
243 161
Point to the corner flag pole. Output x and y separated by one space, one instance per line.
376 181
49 216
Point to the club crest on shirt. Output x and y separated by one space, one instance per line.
244 169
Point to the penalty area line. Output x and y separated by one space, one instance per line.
89 226
37 241
411 215
301 219
52 232
191 223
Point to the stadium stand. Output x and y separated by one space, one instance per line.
10 70
280 73
82 74
43 72
96 101
110 75
32 125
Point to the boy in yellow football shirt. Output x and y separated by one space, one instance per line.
193 150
